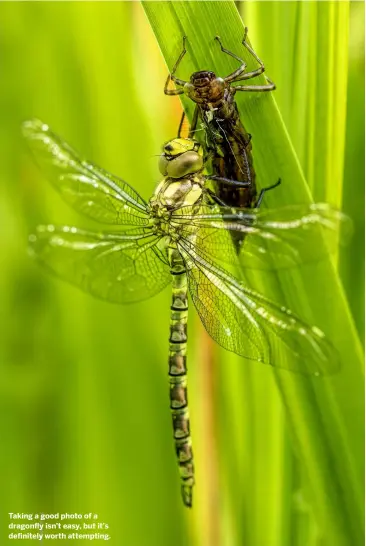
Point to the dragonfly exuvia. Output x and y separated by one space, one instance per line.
226 136
178 238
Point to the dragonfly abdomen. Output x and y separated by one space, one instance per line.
178 375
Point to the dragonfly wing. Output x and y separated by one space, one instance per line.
225 318
242 321
117 268
86 187
272 239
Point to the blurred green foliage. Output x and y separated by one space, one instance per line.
83 391
85 421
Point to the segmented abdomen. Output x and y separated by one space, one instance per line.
178 376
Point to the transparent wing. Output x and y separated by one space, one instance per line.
117 268
241 320
272 239
86 187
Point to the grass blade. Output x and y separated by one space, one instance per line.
326 422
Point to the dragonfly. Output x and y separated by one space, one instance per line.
226 135
181 238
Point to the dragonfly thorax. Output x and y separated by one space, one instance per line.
172 194
163 227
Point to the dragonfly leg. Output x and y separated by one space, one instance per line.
171 76
261 68
270 86
215 198
181 124
264 190
237 73
193 127
178 91
254 73
229 182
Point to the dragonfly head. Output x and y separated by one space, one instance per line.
181 157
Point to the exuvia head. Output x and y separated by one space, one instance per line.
205 88
181 157
202 78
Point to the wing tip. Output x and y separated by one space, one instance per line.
32 126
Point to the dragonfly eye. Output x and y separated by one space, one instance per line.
181 157
185 164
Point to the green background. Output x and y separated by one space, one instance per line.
84 418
